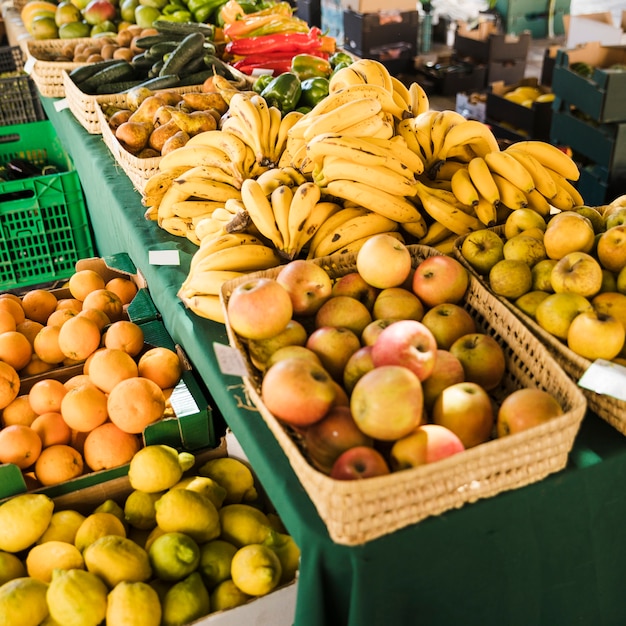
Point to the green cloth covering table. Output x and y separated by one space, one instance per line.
552 553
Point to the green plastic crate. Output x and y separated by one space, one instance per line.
44 228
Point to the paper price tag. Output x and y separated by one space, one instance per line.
164 257
606 378
30 64
230 360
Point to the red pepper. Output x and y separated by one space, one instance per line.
288 42
278 66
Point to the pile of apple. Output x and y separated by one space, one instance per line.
567 273
382 368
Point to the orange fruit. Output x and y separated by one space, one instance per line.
97 316
7 321
78 379
39 304
35 367
18 412
106 301
11 296
84 407
46 345
14 307
79 337
46 395
125 288
110 366
52 429
162 366
15 349
9 384
19 445
108 446
58 463
60 316
78 440
135 403
69 303
124 335
83 282
29 328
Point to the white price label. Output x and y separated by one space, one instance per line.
164 257
606 378
230 360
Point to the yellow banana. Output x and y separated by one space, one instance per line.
402 90
398 148
305 197
207 189
321 212
231 145
176 226
260 211
332 222
287 121
373 126
345 77
561 181
486 212
236 127
151 213
354 246
273 178
404 129
466 132
445 170
209 172
483 180
446 246
297 177
466 152
343 116
243 108
373 72
192 209
463 187
265 129
275 120
191 156
207 228
441 125
192 236
208 282
436 232
550 156
293 147
213 243
510 168
173 195
542 180
355 228
207 306
510 195
280 200
392 206
538 202
246 258
158 184
418 99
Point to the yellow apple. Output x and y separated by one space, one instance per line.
595 335
343 312
397 303
482 358
260 350
529 302
334 346
620 281
448 371
447 322
289 352
611 250
567 232
616 218
510 278
354 285
611 303
482 249
373 329
521 220
555 313
525 408
524 248
541 274
359 363
383 261
426 444
577 272
609 281
594 216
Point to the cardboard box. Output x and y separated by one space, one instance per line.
485 44
472 106
600 27
603 94
374 6
365 31
515 121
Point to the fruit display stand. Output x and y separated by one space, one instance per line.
549 553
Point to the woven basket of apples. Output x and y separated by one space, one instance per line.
397 385
564 276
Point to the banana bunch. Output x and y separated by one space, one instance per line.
260 127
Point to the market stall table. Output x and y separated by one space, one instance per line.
552 553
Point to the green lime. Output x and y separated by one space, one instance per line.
174 556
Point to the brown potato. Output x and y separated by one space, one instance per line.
123 53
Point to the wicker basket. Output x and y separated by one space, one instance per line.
608 408
359 511
48 75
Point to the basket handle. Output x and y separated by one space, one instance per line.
10 138
18 199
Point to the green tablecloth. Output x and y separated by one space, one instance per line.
552 553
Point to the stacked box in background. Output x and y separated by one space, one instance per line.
528 15
310 11
331 17
589 116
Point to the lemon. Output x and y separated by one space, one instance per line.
63 526
174 556
23 602
133 604
139 509
204 485
184 511
215 559
23 519
116 559
234 475
10 567
95 526
256 569
44 558
154 533
77 598
243 524
185 601
227 596
110 506
155 468
288 553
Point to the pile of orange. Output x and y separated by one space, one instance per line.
59 430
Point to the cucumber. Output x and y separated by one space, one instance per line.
79 74
142 62
195 65
184 28
120 71
160 82
159 49
155 69
187 50
147 41
197 78
117 87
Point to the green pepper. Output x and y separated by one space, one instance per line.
340 57
262 82
308 66
283 92
338 67
180 17
313 90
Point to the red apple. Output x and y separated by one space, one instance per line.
354 285
466 409
384 261
297 391
98 11
260 350
373 329
334 346
359 462
343 311
525 408
249 298
440 278
426 444
387 402
308 284
335 433
358 364
341 396
398 303
482 359
447 322
408 343
448 371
